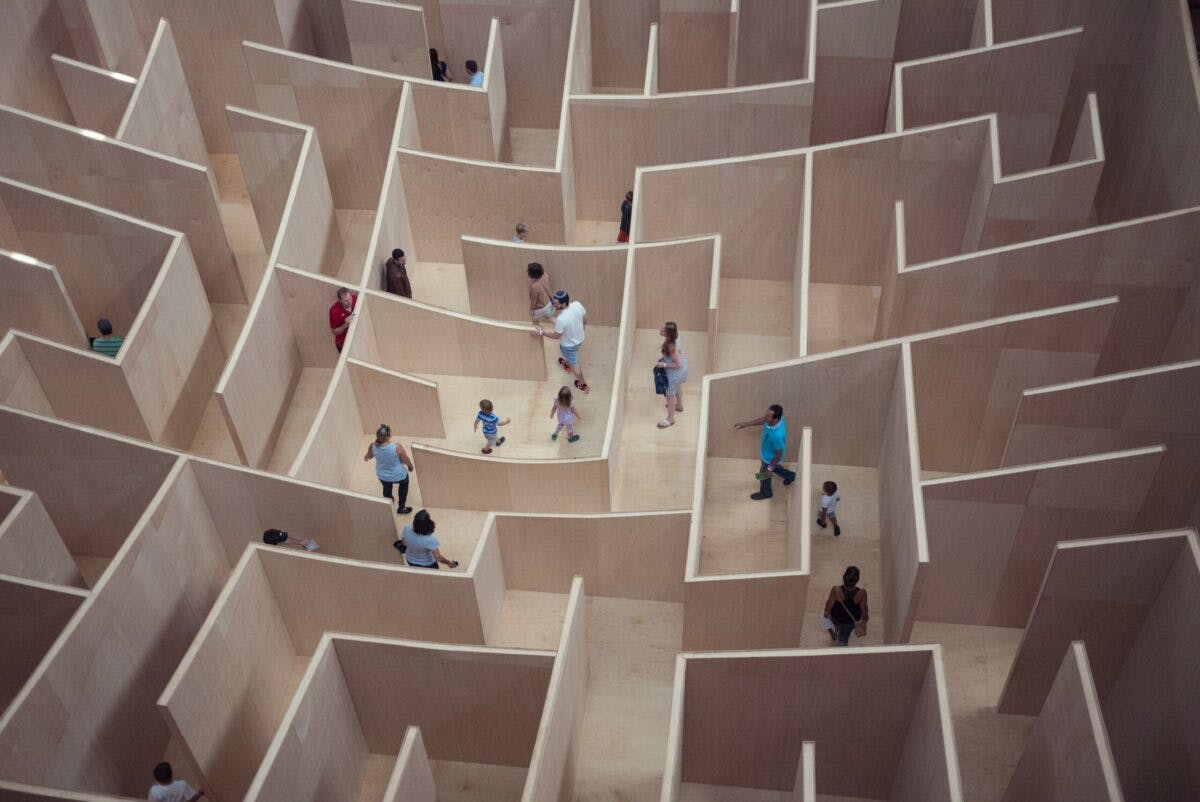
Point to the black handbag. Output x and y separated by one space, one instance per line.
401 546
660 380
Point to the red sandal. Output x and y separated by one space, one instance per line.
581 387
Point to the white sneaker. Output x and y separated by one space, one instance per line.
311 545
662 424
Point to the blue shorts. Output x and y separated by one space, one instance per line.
571 354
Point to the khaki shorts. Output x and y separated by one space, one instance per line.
545 313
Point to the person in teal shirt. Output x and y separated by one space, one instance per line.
774 443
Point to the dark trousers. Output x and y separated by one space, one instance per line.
435 567
843 632
764 486
403 491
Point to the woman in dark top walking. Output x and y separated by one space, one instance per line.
437 66
847 608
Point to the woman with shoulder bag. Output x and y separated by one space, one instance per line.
846 608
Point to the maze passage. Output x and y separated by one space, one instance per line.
599 401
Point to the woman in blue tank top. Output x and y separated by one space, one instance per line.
392 466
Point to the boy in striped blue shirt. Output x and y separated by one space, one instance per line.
491 421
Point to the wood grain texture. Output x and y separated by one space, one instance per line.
97 98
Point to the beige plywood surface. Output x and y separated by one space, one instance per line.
35 301
125 179
97 98
30 546
412 778
1068 753
111 728
498 284
161 116
611 136
387 36
855 48
1000 529
35 614
810 693
269 151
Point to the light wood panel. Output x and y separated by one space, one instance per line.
112 479
412 778
754 203
34 614
928 766
904 547
694 38
19 387
344 104
435 185
387 36
934 27
556 750
87 720
1155 405
311 240
772 41
319 748
325 457
35 300
844 397
160 115
1024 82
422 339
486 710
744 611
243 503
969 380
933 171
33 31
126 179
536 35
243 651
475 482
107 262
543 552
97 98
676 282
991 534
611 136
105 32
498 285
1068 754
30 546
60 371
616 38
811 693
261 375
856 43
172 356
269 151
1126 598
385 395
1148 262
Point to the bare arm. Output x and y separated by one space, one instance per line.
553 335
437 555
403 455
370 455
505 422
576 413
756 422
830 601
862 601
196 795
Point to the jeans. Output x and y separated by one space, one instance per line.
403 491
764 486
843 632
435 567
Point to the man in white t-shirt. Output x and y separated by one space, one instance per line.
169 789
569 331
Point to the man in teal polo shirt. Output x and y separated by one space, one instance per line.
774 443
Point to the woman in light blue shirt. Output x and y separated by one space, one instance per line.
392 466
420 547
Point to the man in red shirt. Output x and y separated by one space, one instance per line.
340 315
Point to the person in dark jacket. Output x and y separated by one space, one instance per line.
396 275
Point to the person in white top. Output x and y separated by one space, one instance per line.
522 232
569 331
828 511
168 789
